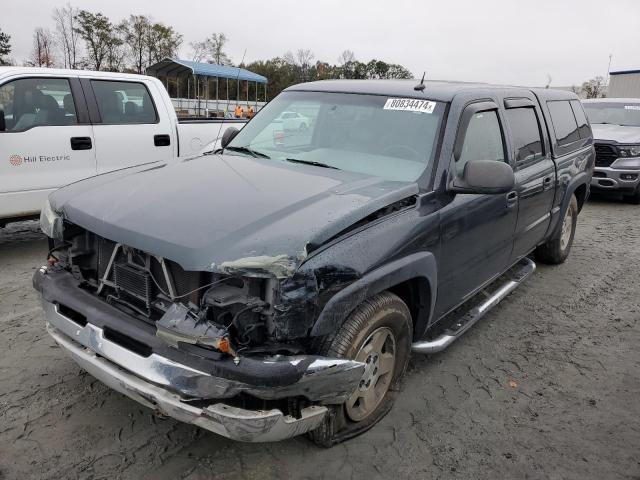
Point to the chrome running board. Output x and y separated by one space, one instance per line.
521 271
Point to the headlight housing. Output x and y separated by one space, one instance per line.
51 222
629 150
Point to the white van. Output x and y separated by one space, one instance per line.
61 126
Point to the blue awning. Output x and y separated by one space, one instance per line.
172 66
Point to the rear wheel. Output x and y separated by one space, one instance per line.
378 333
557 249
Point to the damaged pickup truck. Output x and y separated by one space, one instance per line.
279 285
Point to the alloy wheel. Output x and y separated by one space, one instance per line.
378 353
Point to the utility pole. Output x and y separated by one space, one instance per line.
609 69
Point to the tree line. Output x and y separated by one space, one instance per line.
82 39
89 40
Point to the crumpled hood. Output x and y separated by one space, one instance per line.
616 133
224 213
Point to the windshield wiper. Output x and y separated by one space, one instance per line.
250 151
311 162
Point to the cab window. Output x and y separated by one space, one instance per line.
583 125
35 102
122 103
564 122
483 140
525 130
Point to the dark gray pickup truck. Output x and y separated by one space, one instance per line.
278 286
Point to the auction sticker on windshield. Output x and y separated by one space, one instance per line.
410 105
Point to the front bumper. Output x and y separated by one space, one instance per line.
231 422
607 178
172 386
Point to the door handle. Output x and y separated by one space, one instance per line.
161 140
512 199
547 182
81 143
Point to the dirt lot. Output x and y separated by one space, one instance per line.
546 386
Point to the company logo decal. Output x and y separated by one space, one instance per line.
17 160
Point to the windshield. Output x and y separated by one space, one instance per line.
616 113
386 137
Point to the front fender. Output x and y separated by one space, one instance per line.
421 265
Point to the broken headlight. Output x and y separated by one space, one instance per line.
51 221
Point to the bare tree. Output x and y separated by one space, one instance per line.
211 49
67 36
148 42
302 61
42 53
217 42
346 57
199 50
594 88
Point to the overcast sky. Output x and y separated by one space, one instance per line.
500 41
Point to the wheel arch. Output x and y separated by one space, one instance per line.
581 193
578 186
413 278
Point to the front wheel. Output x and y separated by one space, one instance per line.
557 249
378 333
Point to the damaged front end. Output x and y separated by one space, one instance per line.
208 348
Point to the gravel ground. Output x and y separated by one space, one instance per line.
546 386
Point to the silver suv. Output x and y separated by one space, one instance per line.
616 131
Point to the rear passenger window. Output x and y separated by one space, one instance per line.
124 102
583 124
36 102
525 129
483 140
564 122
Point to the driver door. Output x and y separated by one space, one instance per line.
477 230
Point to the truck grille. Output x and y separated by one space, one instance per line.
605 154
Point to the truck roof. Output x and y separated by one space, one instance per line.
8 71
434 90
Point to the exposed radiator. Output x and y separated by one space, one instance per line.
133 283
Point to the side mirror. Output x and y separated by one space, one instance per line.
3 125
484 176
228 135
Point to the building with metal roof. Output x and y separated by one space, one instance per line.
624 84
208 89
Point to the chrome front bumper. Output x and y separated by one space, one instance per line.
164 385
613 179
230 422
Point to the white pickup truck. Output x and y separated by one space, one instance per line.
61 126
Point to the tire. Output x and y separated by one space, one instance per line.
380 328
634 198
557 249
